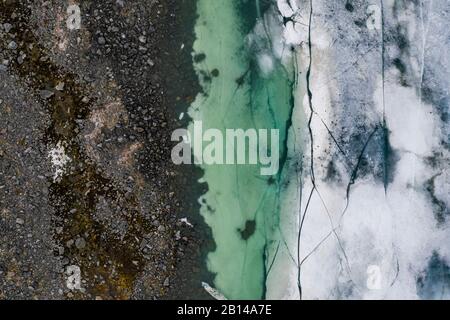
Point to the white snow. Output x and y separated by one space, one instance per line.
59 160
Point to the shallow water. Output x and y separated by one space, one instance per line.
244 86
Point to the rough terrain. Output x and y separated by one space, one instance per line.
86 181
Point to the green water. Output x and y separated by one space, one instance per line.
241 206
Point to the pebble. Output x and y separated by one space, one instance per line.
20 221
80 243
12 45
45 94
101 40
7 27
60 86
166 282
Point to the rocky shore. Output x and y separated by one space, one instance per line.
91 205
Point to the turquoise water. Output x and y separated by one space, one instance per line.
244 86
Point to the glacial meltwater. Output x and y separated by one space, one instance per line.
245 85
